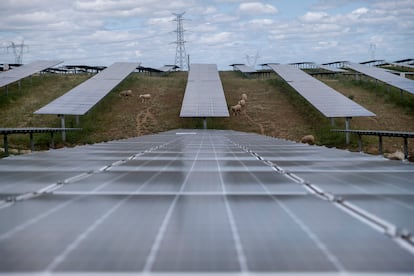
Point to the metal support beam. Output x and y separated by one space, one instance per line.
205 123
31 141
62 122
405 148
52 140
332 121
360 142
5 144
380 144
347 126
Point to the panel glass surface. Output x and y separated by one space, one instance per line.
384 76
204 95
83 97
24 71
328 101
203 201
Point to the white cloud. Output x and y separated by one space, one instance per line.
103 31
218 38
311 17
254 8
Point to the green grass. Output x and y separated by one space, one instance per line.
403 100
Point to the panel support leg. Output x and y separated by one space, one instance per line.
380 144
347 124
6 144
332 121
405 148
52 140
360 142
62 121
205 123
31 141
77 120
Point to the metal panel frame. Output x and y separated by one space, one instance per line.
24 71
82 98
384 76
327 100
204 95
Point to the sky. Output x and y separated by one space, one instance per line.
100 32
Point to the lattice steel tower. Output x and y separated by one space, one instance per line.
180 53
18 50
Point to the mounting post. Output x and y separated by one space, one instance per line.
62 122
204 123
380 144
405 148
31 141
5 145
347 124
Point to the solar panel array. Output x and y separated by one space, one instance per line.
328 101
204 95
332 69
382 75
193 201
24 71
244 68
82 98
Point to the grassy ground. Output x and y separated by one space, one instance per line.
273 109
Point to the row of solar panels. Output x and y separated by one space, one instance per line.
204 95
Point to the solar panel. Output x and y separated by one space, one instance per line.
332 69
328 101
204 95
203 203
82 98
244 68
382 75
24 71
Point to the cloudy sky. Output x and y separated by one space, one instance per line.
100 32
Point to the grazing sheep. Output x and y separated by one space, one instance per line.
308 139
242 102
125 93
398 155
235 109
244 96
145 97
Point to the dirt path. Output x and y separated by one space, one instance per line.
144 121
262 131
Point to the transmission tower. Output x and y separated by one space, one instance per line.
180 54
18 50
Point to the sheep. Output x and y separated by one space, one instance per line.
125 93
398 155
235 109
244 96
145 97
308 139
242 102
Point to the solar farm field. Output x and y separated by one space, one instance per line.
273 109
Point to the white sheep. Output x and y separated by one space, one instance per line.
145 97
242 102
236 109
308 139
125 93
244 96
